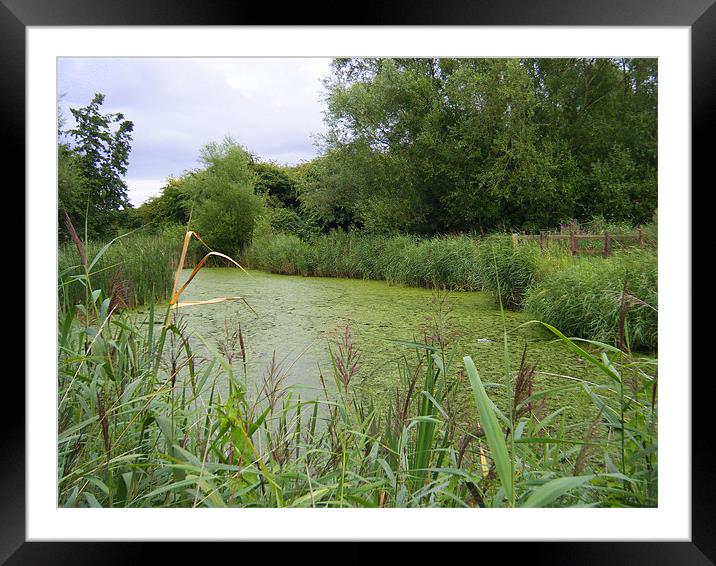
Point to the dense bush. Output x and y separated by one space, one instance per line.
226 207
585 298
288 221
226 220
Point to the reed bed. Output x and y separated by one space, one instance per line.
145 422
578 294
447 262
136 269
593 298
508 271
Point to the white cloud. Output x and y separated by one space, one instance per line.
140 190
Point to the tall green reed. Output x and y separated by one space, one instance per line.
136 269
585 298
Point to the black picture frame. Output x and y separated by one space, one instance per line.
700 15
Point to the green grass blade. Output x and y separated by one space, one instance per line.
553 489
493 432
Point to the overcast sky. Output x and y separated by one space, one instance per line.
271 106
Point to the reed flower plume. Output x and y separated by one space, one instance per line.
347 359
521 404
76 239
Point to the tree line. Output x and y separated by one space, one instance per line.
421 146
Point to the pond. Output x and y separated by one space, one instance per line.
298 319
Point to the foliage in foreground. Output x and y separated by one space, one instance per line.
144 423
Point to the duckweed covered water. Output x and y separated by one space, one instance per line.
299 318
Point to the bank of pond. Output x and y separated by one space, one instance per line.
585 296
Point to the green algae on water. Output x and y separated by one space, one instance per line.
298 319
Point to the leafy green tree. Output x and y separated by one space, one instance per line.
325 194
99 155
172 206
73 189
277 184
620 190
382 117
226 207
227 217
442 145
218 200
289 221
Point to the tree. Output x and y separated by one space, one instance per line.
277 184
380 145
441 145
99 155
72 189
218 200
226 207
172 206
620 189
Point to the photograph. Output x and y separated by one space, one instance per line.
357 282
407 280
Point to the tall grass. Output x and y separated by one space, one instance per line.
448 262
136 269
144 423
585 298
507 271
283 253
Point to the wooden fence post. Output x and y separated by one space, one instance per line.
606 244
514 241
541 241
573 241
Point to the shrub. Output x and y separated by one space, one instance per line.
288 221
584 299
226 220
